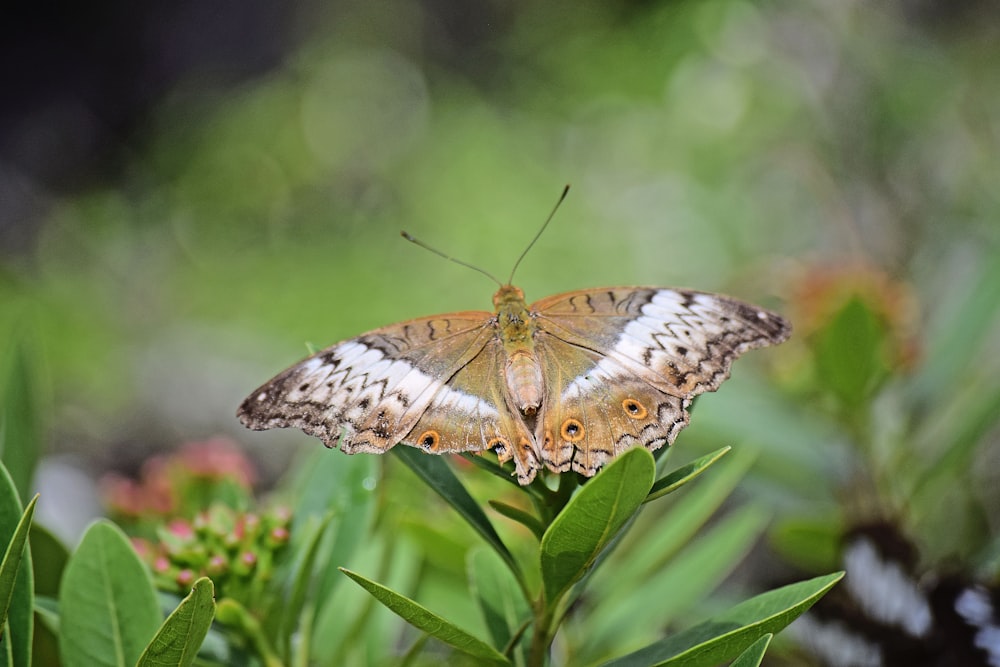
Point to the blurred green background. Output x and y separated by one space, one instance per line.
190 195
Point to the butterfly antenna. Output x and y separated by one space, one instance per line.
415 240
544 225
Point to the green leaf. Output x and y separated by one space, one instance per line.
20 607
423 619
592 519
493 468
361 639
500 599
662 594
957 334
685 516
728 634
436 473
526 519
20 426
291 612
850 353
811 544
48 610
353 508
325 484
678 478
181 635
48 556
11 564
108 608
978 417
754 654
233 614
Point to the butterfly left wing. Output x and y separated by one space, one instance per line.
624 364
366 393
472 412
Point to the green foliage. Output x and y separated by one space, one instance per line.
179 638
850 354
726 635
20 421
436 473
435 626
108 611
583 532
715 145
16 579
591 521
11 564
754 654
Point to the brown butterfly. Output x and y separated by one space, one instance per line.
570 381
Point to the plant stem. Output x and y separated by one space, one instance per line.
549 505
541 638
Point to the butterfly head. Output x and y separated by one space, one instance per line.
508 296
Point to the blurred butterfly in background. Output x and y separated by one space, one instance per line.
568 382
890 612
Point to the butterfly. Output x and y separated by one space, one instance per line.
568 382
892 609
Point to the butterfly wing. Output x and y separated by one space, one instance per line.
592 416
624 364
473 412
368 392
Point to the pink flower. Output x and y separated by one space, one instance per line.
185 578
181 528
279 535
142 547
217 458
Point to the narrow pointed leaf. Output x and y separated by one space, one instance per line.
345 490
526 519
20 604
48 559
591 520
436 473
20 425
725 636
493 468
754 654
108 610
12 558
500 599
674 588
425 620
180 636
686 516
301 584
678 478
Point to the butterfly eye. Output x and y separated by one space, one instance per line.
634 408
572 430
429 439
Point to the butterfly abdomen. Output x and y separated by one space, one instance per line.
523 375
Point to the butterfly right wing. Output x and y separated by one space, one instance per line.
368 392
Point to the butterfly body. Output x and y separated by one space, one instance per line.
568 382
517 331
